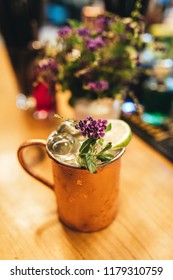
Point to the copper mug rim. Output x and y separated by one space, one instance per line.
43 143
120 152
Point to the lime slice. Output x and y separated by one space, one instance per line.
119 135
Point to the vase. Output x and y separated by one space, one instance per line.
104 108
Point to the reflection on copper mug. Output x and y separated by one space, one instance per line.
86 202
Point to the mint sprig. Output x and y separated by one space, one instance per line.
90 154
87 145
92 150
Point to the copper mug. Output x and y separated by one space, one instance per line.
86 202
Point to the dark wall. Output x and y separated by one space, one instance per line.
19 21
124 7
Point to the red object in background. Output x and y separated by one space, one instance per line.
45 101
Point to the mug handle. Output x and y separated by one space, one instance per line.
26 167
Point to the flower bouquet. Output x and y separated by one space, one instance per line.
97 62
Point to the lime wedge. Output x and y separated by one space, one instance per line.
119 135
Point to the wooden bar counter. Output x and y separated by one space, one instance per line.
29 225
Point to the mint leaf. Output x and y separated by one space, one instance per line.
100 141
105 157
91 163
109 127
107 147
81 160
86 145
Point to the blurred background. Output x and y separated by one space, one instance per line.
26 24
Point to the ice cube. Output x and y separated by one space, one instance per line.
61 144
68 127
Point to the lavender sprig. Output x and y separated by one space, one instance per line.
92 128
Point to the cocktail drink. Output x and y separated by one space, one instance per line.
86 171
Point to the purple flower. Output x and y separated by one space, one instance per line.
52 66
64 31
95 43
47 68
102 23
83 32
92 128
98 85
